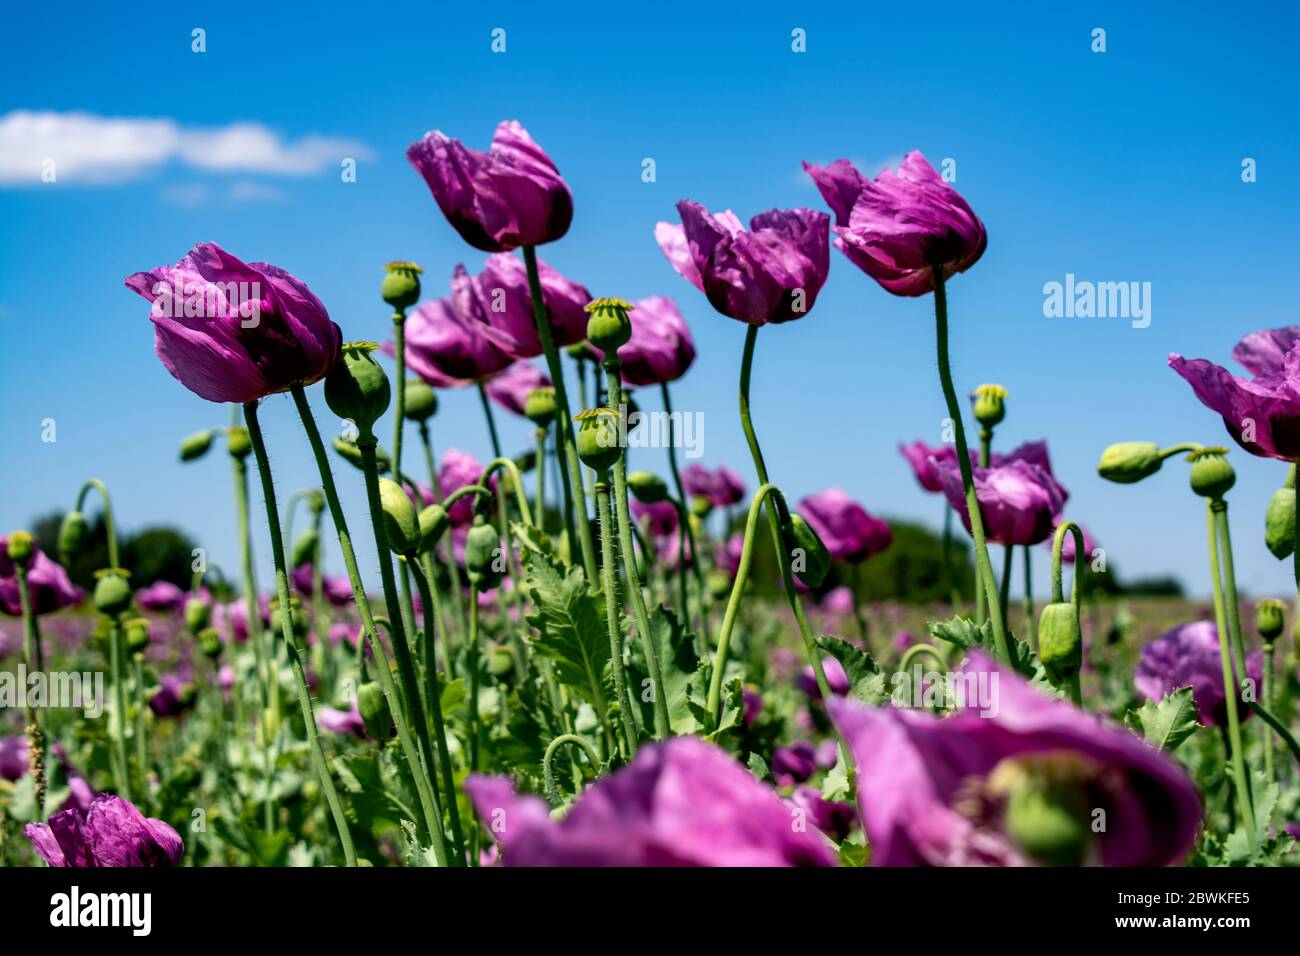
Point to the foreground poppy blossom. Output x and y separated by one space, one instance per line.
682 802
498 300
848 530
112 832
661 348
1020 786
508 197
232 331
1189 656
898 227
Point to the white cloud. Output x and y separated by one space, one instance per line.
199 193
90 149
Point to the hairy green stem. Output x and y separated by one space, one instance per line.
548 776
613 622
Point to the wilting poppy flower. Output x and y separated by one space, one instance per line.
849 532
508 197
1262 414
1019 785
661 348
1188 656
1020 502
499 302
510 389
458 469
682 802
112 832
337 590
160 596
834 819
771 272
13 757
447 349
231 331
836 679
899 226
721 487
48 585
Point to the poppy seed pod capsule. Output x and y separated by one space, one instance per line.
483 561
210 642
400 519
597 438
195 446
1127 462
112 592
540 406
137 635
238 443
357 388
401 285
434 522
197 615
1270 619
20 546
809 558
304 549
1212 473
1060 645
647 487
608 326
1279 523
374 711
990 404
421 401
1046 813
72 535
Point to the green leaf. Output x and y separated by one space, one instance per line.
866 680
532 540
758 767
570 623
452 695
1168 723
964 634
733 708
675 649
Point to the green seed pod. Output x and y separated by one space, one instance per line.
197 615
647 487
304 549
1060 645
137 633
238 442
350 453
358 389
483 555
72 535
1279 523
421 401
809 558
1048 820
500 661
401 285
1270 619
112 591
210 642
990 404
1130 461
374 711
400 519
20 546
598 438
195 446
608 326
1212 473
434 522
541 407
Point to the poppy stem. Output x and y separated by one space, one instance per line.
1030 630
286 630
572 473
1269 775
954 592
399 398
32 655
110 531
1220 509
548 776
1004 590
447 556
702 624
609 572
984 570
539 496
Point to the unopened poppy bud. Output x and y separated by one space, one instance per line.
809 558
1270 619
401 522
434 522
540 407
350 453
112 591
72 535
374 711
597 438
647 487
421 401
1129 461
483 561
1045 813
357 388
583 350
608 326
238 442
210 642
20 546
1212 473
401 285
701 506
195 446
990 404
137 635
1279 523
315 501
1060 645
500 661
197 614
304 549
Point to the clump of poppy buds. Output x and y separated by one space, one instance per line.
1279 523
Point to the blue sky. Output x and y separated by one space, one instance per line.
1118 166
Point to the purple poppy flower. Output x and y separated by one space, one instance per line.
510 389
848 530
508 197
161 596
659 517
458 469
727 555
1019 502
231 331
661 348
836 679
753 701
974 790
721 487
838 601
346 723
80 795
795 763
498 301
899 226
919 455
834 819
448 349
48 585
1188 656
112 832
770 273
13 757
337 590
682 802
1262 414
173 698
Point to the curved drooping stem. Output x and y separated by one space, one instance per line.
1058 544
286 628
984 570
110 528
921 650
1278 727
613 622
548 776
